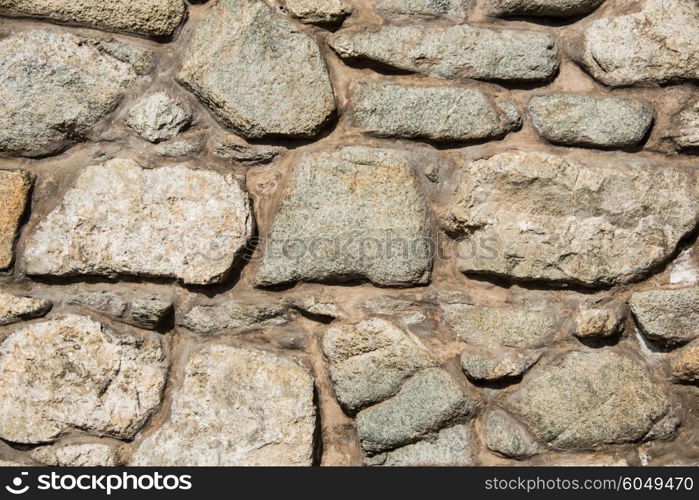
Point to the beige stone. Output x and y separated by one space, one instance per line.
15 186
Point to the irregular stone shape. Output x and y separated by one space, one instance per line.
549 8
449 447
150 311
73 372
54 88
121 219
233 316
318 11
684 364
104 302
354 213
280 87
587 398
14 308
177 149
158 117
318 306
686 133
428 401
504 435
493 327
12 463
459 51
483 364
438 113
77 455
15 186
156 18
577 120
370 360
236 407
405 9
544 218
600 322
667 316
660 44
244 153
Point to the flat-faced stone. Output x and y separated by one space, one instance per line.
318 11
158 117
14 308
484 364
77 455
150 311
598 322
684 364
456 10
504 435
15 186
233 316
686 131
549 8
667 316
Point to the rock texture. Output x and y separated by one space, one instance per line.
15 186
77 455
481 364
236 317
456 10
599 322
158 117
684 364
120 219
686 133
14 308
667 316
504 435
318 11
551 8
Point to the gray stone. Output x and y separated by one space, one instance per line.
485 364
121 219
438 113
686 132
427 402
178 149
600 322
74 373
369 361
158 117
280 86
150 311
316 305
14 309
452 52
103 301
15 186
77 455
667 316
584 399
456 10
577 120
54 88
244 153
684 364
504 435
236 407
156 18
549 8
233 316
540 217
318 11
659 44
351 214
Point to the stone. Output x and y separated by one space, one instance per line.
14 309
156 18
686 133
456 10
489 365
281 85
577 120
600 322
74 373
54 88
546 218
178 149
548 8
667 316
317 306
158 117
493 327
318 11
233 316
428 401
103 302
584 399
370 361
454 52
236 407
15 186
150 311
437 113
451 447
244 153
659 44
77 455
12 463
120 219
504 435
352 214
684 364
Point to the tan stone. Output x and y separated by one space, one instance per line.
14 194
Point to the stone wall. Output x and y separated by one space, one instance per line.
345 232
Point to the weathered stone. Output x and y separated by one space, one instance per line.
667 316
233 316
406 9
545 218
73 372
459 51
158 117
438 113
14 308
587 398
144 17
602 321
177 149
318 11
15 186
12 463
684 364
280 87
577 120
660 44
354 213
150 311
169 222
54 88
504 435
244 153
686 133
428 401
318 306
103 302
370 360
236 406
77 455
484 364
549 8
511 326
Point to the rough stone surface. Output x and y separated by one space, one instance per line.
438 113
77 455
156 18
483 364
177 149
686 134
280 86
122 219
407 9
15 186
684 364
667 316
233 316
317 306
451 52
150 311
158 117
551 219
355 213
577 120
103 301
80 77
504 435
600 322
244 153
550 8
658 44
587 398
236 406
318 11
73 372
14 308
